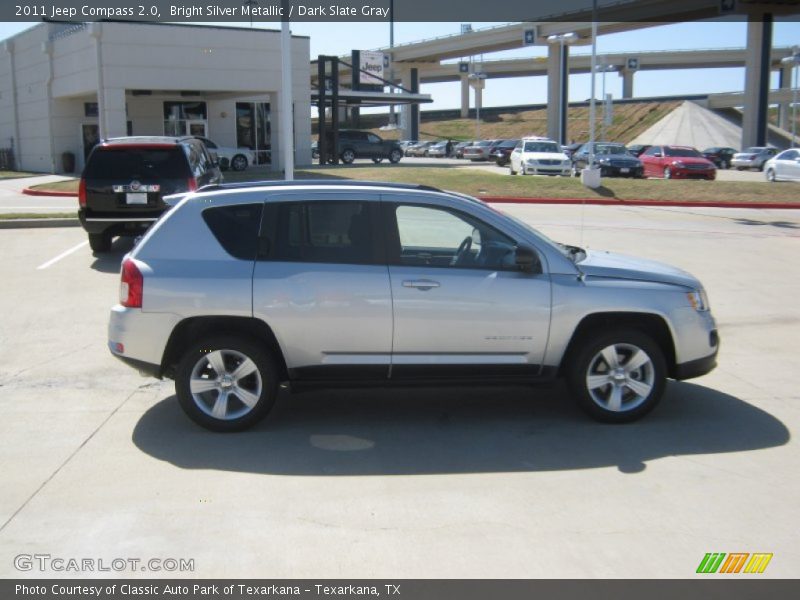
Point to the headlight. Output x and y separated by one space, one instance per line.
603 161
698 300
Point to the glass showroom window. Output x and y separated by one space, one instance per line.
179 115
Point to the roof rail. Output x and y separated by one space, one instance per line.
317 182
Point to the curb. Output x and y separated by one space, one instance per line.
608 202
31 192
37 223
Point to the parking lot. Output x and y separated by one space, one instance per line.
508 483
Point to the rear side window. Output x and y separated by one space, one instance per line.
236 228
325 232
137 162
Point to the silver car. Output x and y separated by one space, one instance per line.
753 158
241 288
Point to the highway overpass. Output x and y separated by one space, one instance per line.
413 62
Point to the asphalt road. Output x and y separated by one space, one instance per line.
101 463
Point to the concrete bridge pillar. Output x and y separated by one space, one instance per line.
557 93
464 96
627 83
756 80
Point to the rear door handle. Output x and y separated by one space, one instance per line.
420 284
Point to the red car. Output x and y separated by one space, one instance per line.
678 162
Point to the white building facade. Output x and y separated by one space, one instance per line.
64 86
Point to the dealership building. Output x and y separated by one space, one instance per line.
64 86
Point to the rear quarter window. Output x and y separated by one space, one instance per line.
236 228
131 163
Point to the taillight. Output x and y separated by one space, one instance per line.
82 193
131 288
192 184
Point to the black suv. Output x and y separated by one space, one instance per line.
362 144
125 179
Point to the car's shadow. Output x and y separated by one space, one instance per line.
109 262
420 431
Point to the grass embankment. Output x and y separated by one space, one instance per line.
476 182
629 120
24 215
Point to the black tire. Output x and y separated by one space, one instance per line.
395 156
348 156
239 162
589 360
240 411
100 242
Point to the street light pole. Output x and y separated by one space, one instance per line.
604 69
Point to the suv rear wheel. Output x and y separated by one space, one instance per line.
100 242
226 383
618 376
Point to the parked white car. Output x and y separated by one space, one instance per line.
784 167
237 159
539 156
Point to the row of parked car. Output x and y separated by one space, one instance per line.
542 155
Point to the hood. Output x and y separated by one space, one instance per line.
617 159
619 266
545 155
690 160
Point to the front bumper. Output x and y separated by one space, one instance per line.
696 368
546 169
611 171
678 173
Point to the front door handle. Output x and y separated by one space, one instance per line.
420 284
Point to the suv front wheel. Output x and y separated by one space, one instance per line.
618 376
226 383
395 156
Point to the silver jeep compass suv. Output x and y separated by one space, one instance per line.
240 288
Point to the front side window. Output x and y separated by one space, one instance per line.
435 237
325 232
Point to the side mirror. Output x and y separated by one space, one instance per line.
525 258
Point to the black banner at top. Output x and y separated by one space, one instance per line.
463 11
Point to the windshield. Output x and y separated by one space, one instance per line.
754 150
484 143
508 144
681 152
602 149
542 147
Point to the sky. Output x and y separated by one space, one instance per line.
338 40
